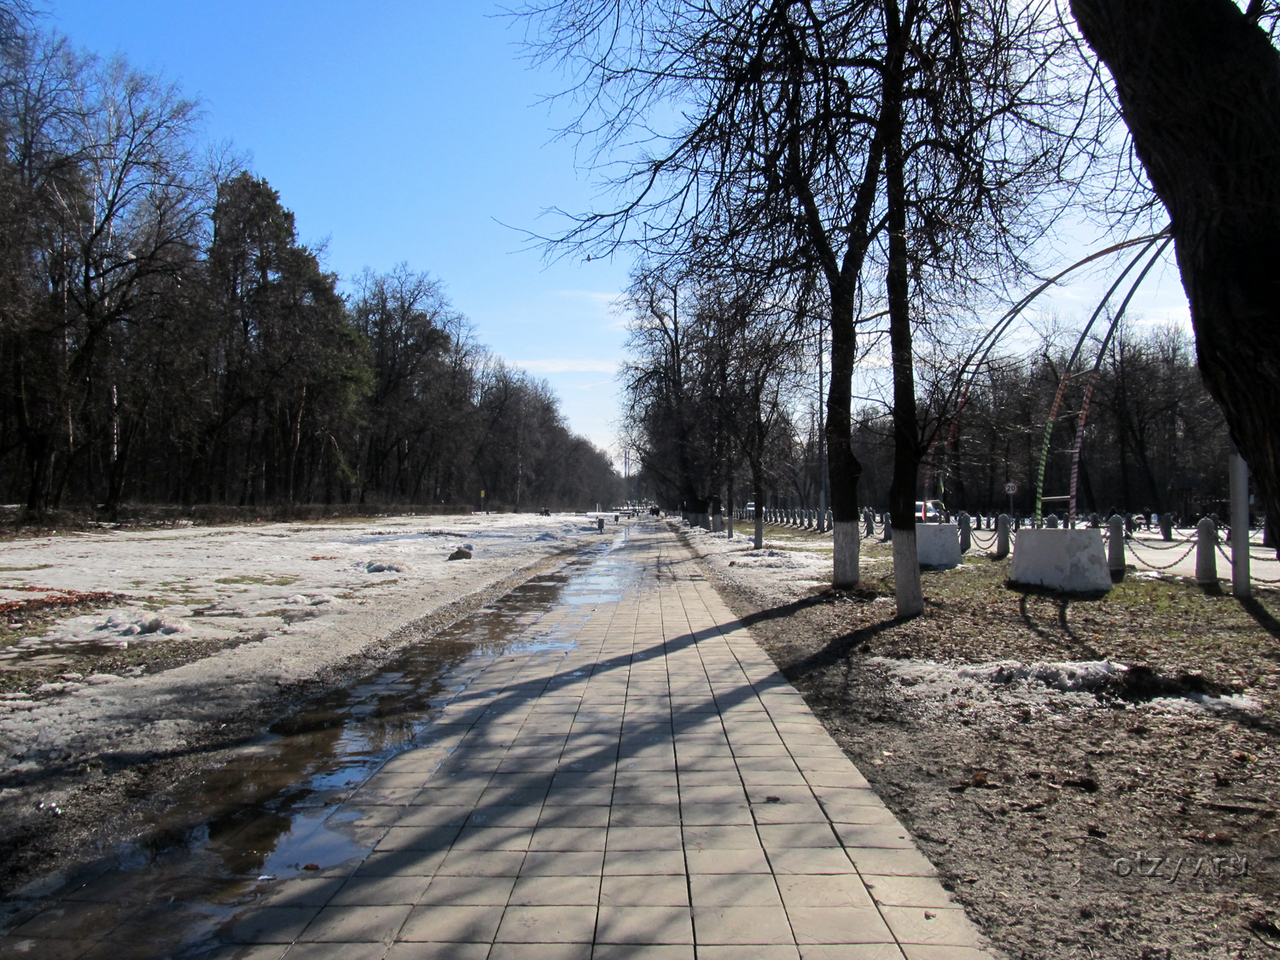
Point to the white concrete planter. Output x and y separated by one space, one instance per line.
1073 561
938 544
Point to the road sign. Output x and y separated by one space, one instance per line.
1011 488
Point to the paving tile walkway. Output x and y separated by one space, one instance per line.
655 790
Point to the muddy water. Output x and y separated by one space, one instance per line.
278 808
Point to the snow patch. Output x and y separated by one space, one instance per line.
772 560
1069 675
1042 686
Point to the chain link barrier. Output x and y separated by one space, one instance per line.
1253 577
1171 545
1168 566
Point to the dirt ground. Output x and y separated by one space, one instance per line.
1129 816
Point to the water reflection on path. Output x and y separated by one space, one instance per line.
290 804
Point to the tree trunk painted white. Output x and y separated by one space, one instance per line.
906 574
847 545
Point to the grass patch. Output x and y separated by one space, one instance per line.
283 580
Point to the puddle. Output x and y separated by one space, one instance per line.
278 808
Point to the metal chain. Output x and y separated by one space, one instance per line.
1252 576
1154 566
1172 545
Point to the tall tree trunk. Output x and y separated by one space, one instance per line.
1199 84
906 429
843 468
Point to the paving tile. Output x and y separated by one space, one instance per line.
302 891
782 836
438 951
493 838
721 838
815 860
405 863
574 816
435 816
867 813
468 891
737 925
645 815
548 924
860 951
580 796
769 779
482 863
504 815
269 925
452 924
734 890
356 924
379 891
418 838
660 862
874 835
843 890
944 926
563 863
916 951
838 925
646 951
543 890
231 952
646 924
716 793
890 862
807 812
748 952
644 838
568 839
628 890
908 891
541 951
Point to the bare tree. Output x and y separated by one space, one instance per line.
823 138
776 168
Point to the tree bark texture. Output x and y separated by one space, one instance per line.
907 449
1199 84
844 470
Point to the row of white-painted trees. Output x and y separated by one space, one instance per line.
901 159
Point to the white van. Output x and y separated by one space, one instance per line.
930 511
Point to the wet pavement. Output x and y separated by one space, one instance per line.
602 765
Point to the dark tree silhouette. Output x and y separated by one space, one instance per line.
1199 85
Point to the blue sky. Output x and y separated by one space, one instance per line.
398 130
412 130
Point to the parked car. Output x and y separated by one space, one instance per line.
930 511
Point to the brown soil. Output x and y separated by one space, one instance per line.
1120 831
